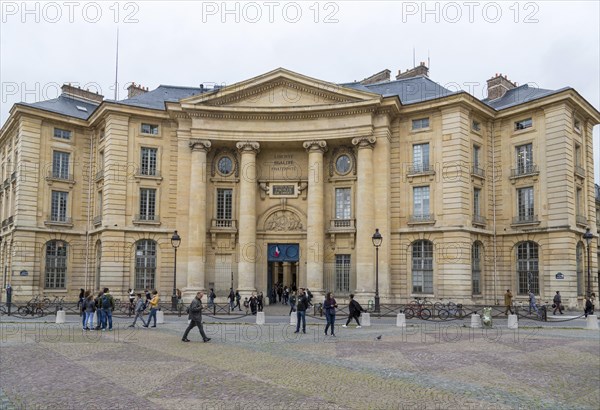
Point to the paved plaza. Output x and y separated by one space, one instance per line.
245 366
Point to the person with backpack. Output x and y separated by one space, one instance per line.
99 315
108 305
238 297
231 299
355 309
153 308
140 306
195 316
301 307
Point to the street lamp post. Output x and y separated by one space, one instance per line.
588 236
377 239
175 242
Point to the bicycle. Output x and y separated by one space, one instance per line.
418 308
33 307
445 310
125 307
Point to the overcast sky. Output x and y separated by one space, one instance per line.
549 44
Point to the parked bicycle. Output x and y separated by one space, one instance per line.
418 308
450 309
34 308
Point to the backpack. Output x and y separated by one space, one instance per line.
105 302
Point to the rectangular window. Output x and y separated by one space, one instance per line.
147 204
523 124
476 153
60 165
99 204
58 208
224 203
579 202
422 267
62 134
420 123
342 273
56 265
476 269
477 201
525 204
421 157
577 155
342 203
148 161
476 125
577 125
149 129
421 201
101 134
524 159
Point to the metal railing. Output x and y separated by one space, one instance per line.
581 220
97 220
99 175
479 220
146 218
421 218
60 176
420 169
525 219
152 173
480 172
520 171
58 219
579 170
342 224
223 223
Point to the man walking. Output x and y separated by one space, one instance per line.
355 309
301 307
139 310
557 303
508 302
195 317
532 303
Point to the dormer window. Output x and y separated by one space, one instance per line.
523 124
151 129
476 125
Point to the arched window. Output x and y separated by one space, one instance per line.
476 263
422 267
528 268
145 264
579 267
56 265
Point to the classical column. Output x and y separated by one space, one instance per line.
247 211
197 217
315 230
287 277
365 216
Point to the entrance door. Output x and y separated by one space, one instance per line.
283 260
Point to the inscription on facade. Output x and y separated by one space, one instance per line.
283 190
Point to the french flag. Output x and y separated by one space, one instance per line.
276 253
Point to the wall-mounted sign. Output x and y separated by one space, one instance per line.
23 273
283 190
559 275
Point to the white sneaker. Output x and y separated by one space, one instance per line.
344 326
358 327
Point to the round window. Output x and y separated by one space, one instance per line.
225 166
343 164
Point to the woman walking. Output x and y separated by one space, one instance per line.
329 306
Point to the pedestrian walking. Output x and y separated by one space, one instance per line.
557 303
355 310
140 306
211 298
81 306
259 300
301 306
532 303
195 317
329 306
508 296
238 298
153 308
292 302
231 299
589 307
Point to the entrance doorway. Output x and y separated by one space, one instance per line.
282 266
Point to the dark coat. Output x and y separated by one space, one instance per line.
329 306
355 308
302 303
196 310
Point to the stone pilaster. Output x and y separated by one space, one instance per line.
247 211
315 232
197 217
365 216
287 277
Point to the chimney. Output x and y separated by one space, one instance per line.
135 89
419 71
498 85
379 77
77 93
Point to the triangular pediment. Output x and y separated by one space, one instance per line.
280 88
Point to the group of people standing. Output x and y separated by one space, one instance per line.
103 306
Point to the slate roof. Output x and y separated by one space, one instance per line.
409 91
66 106
519 95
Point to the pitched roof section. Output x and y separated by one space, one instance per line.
520 95
409 90
66 106
157 98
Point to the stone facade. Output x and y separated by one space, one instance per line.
470 200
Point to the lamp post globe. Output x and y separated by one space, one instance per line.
377 239
175 242
588 236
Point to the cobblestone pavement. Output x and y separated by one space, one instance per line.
245 366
